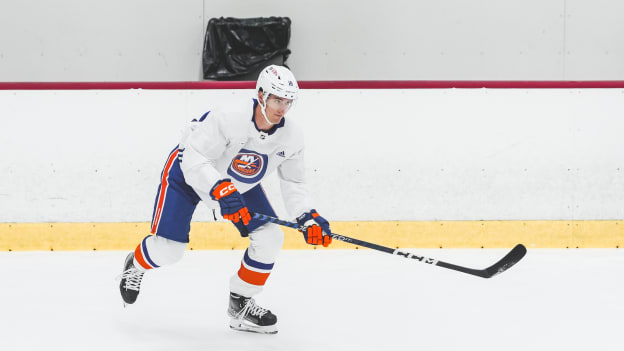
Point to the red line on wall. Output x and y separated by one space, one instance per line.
346 84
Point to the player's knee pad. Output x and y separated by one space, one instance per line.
157 251
265 243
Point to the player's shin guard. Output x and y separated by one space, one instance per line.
251 276
258 260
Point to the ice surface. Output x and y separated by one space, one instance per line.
324 300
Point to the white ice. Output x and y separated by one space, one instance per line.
555 299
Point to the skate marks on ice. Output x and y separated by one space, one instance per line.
330 300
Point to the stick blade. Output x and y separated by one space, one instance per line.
513 257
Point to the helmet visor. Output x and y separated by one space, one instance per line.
279 103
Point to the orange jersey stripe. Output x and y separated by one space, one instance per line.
252 277
138 255
163 191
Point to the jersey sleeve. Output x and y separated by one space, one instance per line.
293 186
202 146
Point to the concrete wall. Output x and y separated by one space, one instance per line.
159 40
447 154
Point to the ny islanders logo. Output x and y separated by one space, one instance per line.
248 166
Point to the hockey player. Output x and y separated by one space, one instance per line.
221 160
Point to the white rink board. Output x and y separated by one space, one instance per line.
325 300
447 154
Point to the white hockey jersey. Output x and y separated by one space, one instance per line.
225 143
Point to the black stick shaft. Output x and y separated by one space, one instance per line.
349 240
346 239
503 264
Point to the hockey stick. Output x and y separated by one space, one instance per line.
502 265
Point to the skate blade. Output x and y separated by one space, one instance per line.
242 325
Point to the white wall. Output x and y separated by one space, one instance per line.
159 40
88 40
456 154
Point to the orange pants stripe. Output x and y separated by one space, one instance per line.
163 191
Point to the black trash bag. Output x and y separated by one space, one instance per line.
235 47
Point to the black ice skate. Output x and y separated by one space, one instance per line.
247 316
130 284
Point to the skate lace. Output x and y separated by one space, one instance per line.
251 308
133 278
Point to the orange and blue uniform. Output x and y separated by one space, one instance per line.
226 143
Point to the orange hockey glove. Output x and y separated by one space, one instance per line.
317 233
232 205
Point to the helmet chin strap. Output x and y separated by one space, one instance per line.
263 109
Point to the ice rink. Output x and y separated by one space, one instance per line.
567 299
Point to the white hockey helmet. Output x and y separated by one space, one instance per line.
279 81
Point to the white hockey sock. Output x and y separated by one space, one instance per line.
241 287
